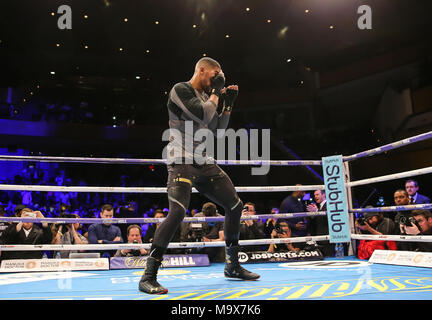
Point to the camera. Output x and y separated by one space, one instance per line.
135 252
196 232
64 225
362 221
279 229
407 221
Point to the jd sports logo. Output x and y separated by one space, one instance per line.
325 264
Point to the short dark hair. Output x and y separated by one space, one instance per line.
107 207
209 209
209 61
159 211
401 190
250 204
134 226
422 212
411 180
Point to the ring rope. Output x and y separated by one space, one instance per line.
158 161
403 238
157 220
390 146
393 176
394 208
172 245
14 187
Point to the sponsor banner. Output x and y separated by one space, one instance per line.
25 265
284 256
337 207
175 260
402 258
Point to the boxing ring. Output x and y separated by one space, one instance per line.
341 278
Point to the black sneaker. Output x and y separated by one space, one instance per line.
233 269
238 272
151 286
148 282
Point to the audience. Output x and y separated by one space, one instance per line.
411 187
105 233
26 233
133 236
53 204
251 229
208 232
283 231
68 234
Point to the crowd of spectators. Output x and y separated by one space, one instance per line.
394 223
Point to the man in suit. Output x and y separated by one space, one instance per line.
26 233
319 224
411 186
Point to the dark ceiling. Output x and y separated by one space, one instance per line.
255 55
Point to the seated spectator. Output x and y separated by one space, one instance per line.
208 232
68 234
271 223
283 231
133 236
251 229
374 223
3 225
411 187
149 235
105 233
26 233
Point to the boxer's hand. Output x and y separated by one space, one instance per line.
229 95
216 84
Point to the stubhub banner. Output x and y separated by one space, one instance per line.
175 260
337 207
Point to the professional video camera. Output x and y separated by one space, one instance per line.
196 232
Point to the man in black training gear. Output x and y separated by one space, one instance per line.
189 103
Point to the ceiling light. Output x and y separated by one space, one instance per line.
268 20
247 9
85 16
227 36
156 22
331 27
289 60
307 10
52 72
125 20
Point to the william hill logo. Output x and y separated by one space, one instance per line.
140 262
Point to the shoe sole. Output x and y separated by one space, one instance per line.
240 279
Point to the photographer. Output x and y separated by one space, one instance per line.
374 223
68 234
251 229
419 223
208 232
282 231
133 236
26 233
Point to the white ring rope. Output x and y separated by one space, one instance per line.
394 176
14 187
172 245
388 237
158 161
390 146
158 220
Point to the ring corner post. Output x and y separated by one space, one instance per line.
347 178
